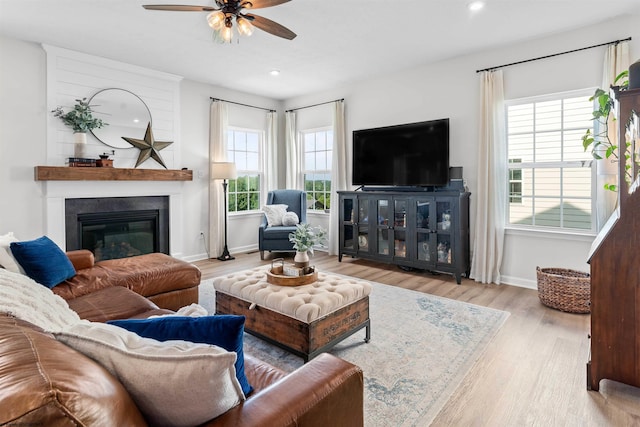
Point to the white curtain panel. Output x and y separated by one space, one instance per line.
616 60
293 152
218 123
492 181
339 181
271 157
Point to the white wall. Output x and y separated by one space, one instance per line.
23 135
451 89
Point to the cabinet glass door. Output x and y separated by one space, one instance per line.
399 213
348 223
444 249
443 218
423 209
400 228
400 243
424 246
423 212
363 225
383 215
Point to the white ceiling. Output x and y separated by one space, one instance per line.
339 41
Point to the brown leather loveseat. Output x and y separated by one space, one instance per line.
45 382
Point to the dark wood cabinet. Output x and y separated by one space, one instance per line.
615 269
424 230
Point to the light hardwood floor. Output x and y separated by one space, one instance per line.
533 373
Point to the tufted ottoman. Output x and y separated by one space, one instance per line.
305 320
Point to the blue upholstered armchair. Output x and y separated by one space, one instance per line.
276 238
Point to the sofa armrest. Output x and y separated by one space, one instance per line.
261 228
81 259
327 391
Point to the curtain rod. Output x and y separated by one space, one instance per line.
552 55
244 105
314 105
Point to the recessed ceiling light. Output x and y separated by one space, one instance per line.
274 72
475 6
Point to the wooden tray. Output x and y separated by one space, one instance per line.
275 276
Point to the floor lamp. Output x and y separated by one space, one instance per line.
224 171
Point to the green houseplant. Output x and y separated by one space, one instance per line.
80 119
599 142
304 239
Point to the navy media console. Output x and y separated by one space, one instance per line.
426 230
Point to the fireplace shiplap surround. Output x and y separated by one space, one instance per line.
72 75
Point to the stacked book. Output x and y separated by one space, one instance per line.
81 162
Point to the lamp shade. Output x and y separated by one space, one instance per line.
223 170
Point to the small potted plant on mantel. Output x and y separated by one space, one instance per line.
81 120
304 239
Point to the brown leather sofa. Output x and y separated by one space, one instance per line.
44 382
169 282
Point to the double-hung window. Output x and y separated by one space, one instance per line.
318 151
550 174
243 148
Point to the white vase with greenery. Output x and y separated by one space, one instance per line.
304 239
301 259
80 144
81 120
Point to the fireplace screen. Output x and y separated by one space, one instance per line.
118 227
111 235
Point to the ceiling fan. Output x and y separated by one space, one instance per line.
222 14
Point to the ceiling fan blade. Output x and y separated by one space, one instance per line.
259 4
271 27
179 8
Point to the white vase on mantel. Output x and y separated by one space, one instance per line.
301 259
79 144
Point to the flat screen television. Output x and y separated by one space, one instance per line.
412 155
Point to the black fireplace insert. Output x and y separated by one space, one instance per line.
118 227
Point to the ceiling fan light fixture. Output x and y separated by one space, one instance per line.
227 34
216 19
220 17
244 26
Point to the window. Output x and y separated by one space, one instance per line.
550 174
243 148
318 151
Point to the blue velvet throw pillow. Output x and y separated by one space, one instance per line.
43 261
225 331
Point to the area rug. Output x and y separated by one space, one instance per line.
421 348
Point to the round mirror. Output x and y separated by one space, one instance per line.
126 115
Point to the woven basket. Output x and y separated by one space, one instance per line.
564 289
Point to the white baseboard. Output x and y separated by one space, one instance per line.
520 282
197 257
244 249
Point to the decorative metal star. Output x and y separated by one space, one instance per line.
149 147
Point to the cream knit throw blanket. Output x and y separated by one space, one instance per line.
28 300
